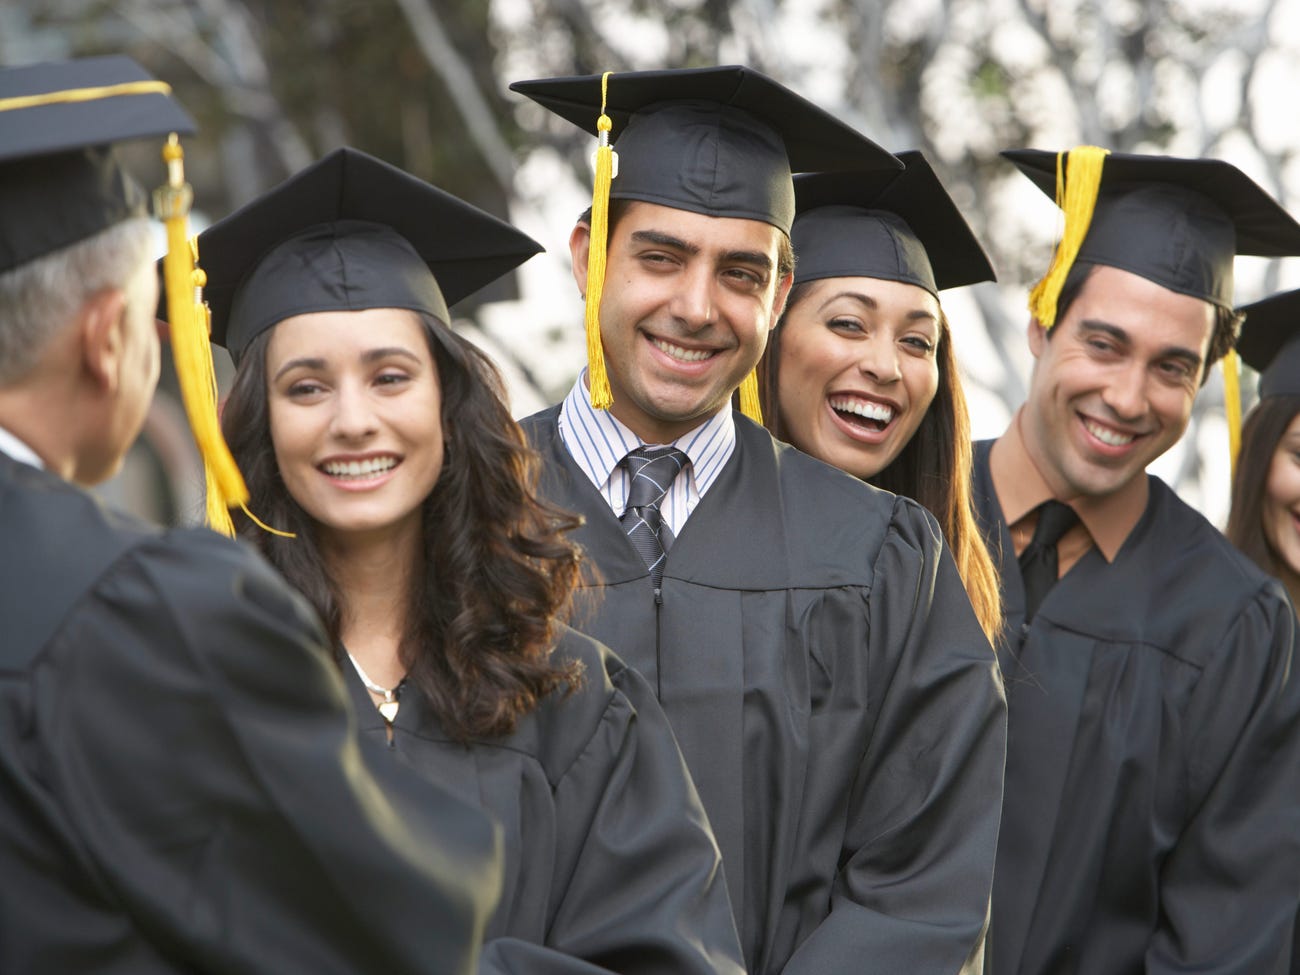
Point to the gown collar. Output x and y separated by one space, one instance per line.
1021 488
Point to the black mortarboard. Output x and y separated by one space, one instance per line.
60 181
719 141
1177 222
897 227
716 141
1270 343
349 232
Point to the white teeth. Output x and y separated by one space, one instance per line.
677 352
359 468
864 408
1108 436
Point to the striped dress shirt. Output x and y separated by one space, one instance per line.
599 442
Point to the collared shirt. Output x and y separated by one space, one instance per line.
19 451
599 442
1021 487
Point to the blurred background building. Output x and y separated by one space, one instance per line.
422 83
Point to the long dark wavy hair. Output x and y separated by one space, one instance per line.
1260 435
934 467
498 572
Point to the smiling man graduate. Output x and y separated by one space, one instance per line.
182 788
1150 822
808 635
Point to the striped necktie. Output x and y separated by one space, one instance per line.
650 472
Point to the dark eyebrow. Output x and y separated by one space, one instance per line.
916 314
755 259
1192 358
370 355
664 240
300 363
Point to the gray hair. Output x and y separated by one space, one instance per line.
39 298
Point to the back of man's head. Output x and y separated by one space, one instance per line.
39 299
78 347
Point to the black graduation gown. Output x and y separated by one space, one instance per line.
610 864
182 788
835 700
1152 812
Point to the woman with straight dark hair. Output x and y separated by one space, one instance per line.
379 439
1264 519
860 370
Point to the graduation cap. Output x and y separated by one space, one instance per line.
1177 222
720 141
349 232
1270 343
60 181
896 227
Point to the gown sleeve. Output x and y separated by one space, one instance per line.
1230 885
912 894
200 742
645 890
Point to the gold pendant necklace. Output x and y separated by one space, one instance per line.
389 705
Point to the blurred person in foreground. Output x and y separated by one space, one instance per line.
182 788
1150 821
808 635
860 371
380 438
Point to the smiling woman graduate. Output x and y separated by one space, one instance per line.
860 370
182 785
379 437
1264 518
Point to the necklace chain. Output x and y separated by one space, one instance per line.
389 693
387 707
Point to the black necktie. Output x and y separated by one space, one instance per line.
650 471
1038 564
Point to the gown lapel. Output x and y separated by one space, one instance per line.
1046 681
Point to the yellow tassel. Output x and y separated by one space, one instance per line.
749 404
191 349
602 397
263 525
1232 404
1076 195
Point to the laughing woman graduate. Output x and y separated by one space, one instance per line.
860 371
375 435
